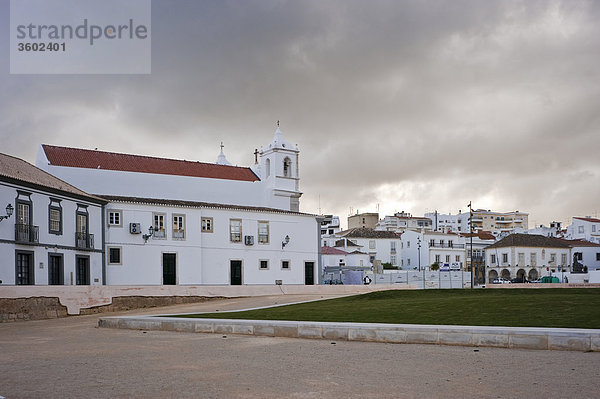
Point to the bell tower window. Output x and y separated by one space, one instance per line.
268 167
287 167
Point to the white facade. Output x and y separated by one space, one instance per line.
445 249
584 228
402 221
198 239
36 251
330 226
385 250
530 262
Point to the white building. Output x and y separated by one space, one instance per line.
272 182
212 223
584 228
54 234
585 253
445 249
499 223
330 226
527 256
554 230
202 243
382 246
402 221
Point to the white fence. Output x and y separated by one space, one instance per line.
424 279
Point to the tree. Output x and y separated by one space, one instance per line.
435 266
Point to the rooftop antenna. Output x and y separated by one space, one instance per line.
277 122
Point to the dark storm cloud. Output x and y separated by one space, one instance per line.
409 105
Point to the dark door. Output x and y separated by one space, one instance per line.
236 272
82 270
24 269
55 270
169 269
309 273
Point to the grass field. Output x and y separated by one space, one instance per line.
553 307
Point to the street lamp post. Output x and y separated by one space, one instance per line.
471 245
419 250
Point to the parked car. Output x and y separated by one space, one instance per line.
518 280
501 280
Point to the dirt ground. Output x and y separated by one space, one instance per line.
72 358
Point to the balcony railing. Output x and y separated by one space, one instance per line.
446 245
84 241
26 233
179 234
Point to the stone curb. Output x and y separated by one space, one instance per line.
499 337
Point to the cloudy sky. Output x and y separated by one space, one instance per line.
401 105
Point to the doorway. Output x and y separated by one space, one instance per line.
56 270
82 270
309 273
236 272
169 269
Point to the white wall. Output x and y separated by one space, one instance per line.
204 258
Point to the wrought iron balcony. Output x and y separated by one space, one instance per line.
27 234
446 245
84 241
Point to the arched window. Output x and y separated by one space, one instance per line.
287 167
268 167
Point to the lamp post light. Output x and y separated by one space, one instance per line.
9 212
150 234
285 241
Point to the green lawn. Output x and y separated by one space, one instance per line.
552 307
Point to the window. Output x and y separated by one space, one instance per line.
268 167
432 243
159 226
263 232
553 258
563 259
54 217
408 244
393 246
372 244
457 259
593 228
287 167
235 230
178 227
442 243
114 255
114 218
437 259
323 232
493 259
532 259
264 264
580 229
330 231
447 258
285 264
504 258
207 225
450 244
393 260
598 256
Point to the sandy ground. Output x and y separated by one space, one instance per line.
72 358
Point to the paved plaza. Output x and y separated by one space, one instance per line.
72 358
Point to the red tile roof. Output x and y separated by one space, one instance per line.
92 159
332 251
592 220
579 243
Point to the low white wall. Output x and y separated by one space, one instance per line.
78 297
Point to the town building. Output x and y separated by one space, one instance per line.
337 262
367 220
401 221
479 240
422 249
330 226
584 228
499 223
184 222
527 256
585 255
51 232
382 246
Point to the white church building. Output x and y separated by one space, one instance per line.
182 222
